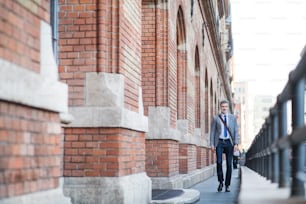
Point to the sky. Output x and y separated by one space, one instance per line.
268 36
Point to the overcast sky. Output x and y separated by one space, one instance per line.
269 36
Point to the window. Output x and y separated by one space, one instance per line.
203 34
54 27
192 5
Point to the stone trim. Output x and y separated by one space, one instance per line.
20 85
104 105
183 180
185 137
108 117
45 197
135 188
104 90
163 5
160 129
159 124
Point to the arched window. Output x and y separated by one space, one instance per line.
206 103
197 99
211 99
181 66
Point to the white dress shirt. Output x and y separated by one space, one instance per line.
221 136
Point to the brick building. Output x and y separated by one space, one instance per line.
103 100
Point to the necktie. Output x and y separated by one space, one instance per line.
225 130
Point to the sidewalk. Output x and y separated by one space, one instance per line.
257 189
201 193
209 193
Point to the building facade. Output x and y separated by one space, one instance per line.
243 112
262 105
33 106
119 104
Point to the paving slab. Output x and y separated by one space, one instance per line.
209 193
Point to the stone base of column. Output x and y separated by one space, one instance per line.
135 188
45 197
183 180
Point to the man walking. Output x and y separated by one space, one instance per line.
224 139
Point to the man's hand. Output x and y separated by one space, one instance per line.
235 147
212 148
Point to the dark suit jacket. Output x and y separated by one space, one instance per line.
216 127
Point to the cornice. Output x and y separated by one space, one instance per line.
209 17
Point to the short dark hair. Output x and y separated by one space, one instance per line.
223 101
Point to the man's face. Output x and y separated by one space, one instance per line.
224 108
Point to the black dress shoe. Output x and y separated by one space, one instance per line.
220 187
227 189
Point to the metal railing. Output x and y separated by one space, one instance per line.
275 154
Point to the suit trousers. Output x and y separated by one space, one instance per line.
224 146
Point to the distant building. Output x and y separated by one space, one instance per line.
242 111
262 105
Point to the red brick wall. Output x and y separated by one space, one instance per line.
211 156
30 149
190 99
208 158
162 158
181 85
187 158
202 157
77 45
148 54
103 152
20 33
109 43
176 84
130 50
172 78
197 92
162 58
